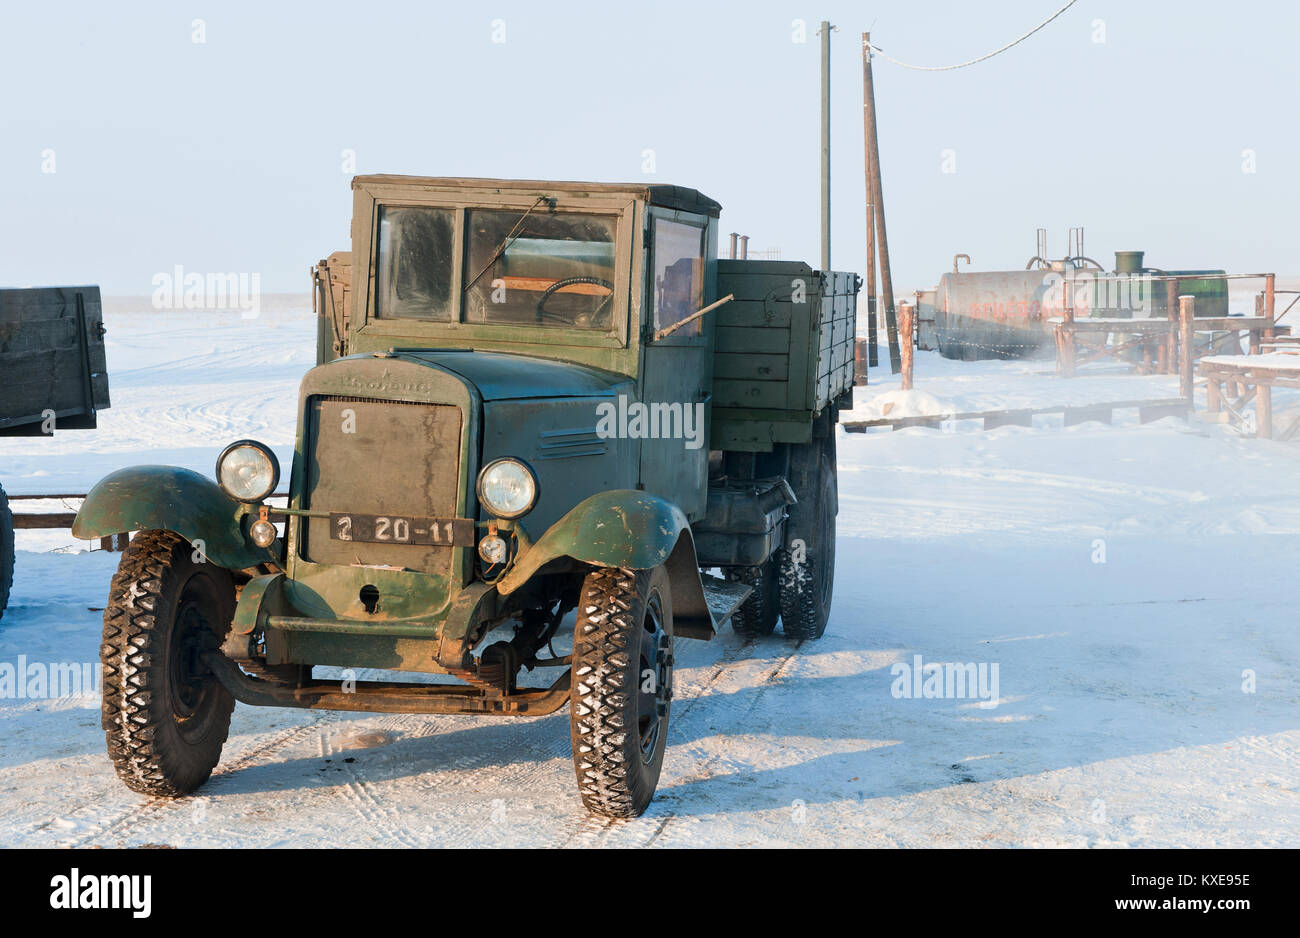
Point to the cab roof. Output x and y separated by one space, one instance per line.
674 197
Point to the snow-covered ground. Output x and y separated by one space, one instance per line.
1134 585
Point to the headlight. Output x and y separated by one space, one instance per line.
263 533
247 471
494 550
507 488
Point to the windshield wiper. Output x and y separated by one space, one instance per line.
509 240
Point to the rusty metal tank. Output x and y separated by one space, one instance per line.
1005 314
993 314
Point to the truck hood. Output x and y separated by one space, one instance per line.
499 376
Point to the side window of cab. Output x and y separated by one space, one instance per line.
677 291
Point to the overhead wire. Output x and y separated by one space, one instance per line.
983 58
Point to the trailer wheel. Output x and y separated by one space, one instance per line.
757 615
165 715
622 686
806 567
6 551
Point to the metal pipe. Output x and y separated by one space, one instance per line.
734 238
744 247
826 144
1157 278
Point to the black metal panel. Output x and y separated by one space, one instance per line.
52 357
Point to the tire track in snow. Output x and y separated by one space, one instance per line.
368 798
591 830
155 808
645 831
370 805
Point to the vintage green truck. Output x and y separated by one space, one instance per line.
533 398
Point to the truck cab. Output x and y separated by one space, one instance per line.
532 398
577 273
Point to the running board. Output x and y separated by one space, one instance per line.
724 597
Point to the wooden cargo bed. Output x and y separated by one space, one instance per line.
783 351
51 358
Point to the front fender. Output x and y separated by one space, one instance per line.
632 530
167 498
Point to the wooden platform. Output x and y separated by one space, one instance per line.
1148 410
1235 381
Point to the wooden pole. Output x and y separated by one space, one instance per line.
905 326
1263 412
1065 334
878 197
1270 301
1186 311
873 343
1167 359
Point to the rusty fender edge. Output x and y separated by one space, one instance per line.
167 498
631 530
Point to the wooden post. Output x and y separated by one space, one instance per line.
878 200
1167 356
1186 310
906 321
1065 334
1213 395
873 344
1263 412
1270 299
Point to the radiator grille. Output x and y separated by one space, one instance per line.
381 458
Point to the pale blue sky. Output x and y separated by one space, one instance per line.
226 155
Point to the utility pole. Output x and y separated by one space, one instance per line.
825 32
873 350
876 195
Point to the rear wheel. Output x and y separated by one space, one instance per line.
6 551
806 568
622 686
757 615
165 715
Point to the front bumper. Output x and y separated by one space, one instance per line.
274 629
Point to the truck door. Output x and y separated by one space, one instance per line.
677 369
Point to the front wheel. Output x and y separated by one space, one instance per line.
6 551
622 686
165 715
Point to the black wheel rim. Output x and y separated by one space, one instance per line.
654 680
192 638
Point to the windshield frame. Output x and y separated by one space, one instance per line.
620 208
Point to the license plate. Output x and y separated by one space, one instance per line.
402 529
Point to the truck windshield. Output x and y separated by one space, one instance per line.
555 269
414 264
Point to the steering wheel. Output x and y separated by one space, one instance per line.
568 282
